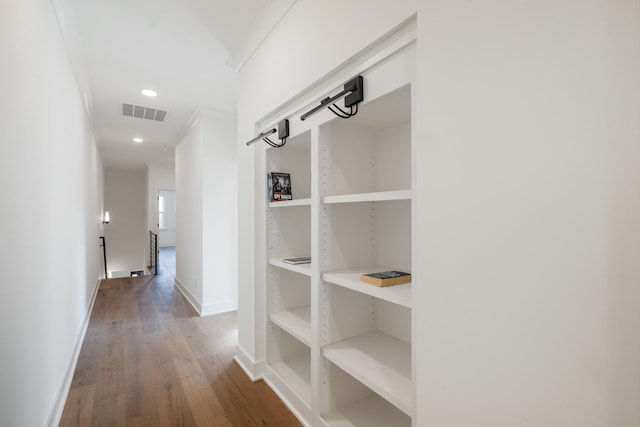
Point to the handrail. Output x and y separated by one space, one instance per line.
153 251
104 255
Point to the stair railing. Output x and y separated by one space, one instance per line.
104 255
153 252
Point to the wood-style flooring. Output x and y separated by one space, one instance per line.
149 360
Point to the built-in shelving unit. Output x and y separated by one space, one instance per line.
288 364
339 350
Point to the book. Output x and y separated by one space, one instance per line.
298 260
386 278
279 186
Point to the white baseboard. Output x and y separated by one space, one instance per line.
253 369
65 386
256 371
300 410
208 309
197 306
218 308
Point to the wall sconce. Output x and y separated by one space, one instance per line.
105 218
283 133
353 94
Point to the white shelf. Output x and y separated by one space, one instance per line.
379 361
380 196
296 322
289 203
296 374
397 294
372 411
298 268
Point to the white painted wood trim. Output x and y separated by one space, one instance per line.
218 308
376 53
253 369
380 196
372 411
63 391
193 301
292 401
297 322
379 361
269 18
287 203
304 269
350 279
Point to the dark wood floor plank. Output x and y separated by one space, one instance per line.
109 412
79 408
237 391
87 374
140 402
173 408
206 409
110 382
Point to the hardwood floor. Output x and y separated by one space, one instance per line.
149 360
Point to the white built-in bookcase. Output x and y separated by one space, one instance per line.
338 351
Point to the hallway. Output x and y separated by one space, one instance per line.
149 360
167 260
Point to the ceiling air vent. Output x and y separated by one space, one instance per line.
140 112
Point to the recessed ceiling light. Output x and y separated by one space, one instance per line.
149 92
137 140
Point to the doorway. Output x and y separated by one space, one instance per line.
166 218
167 230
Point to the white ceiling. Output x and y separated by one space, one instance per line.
178 48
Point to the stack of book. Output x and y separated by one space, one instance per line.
386 278
298 260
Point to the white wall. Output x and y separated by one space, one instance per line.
220 213
529 311
206 214
265 84
51 186
189 215
126 234
623 268
526 207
